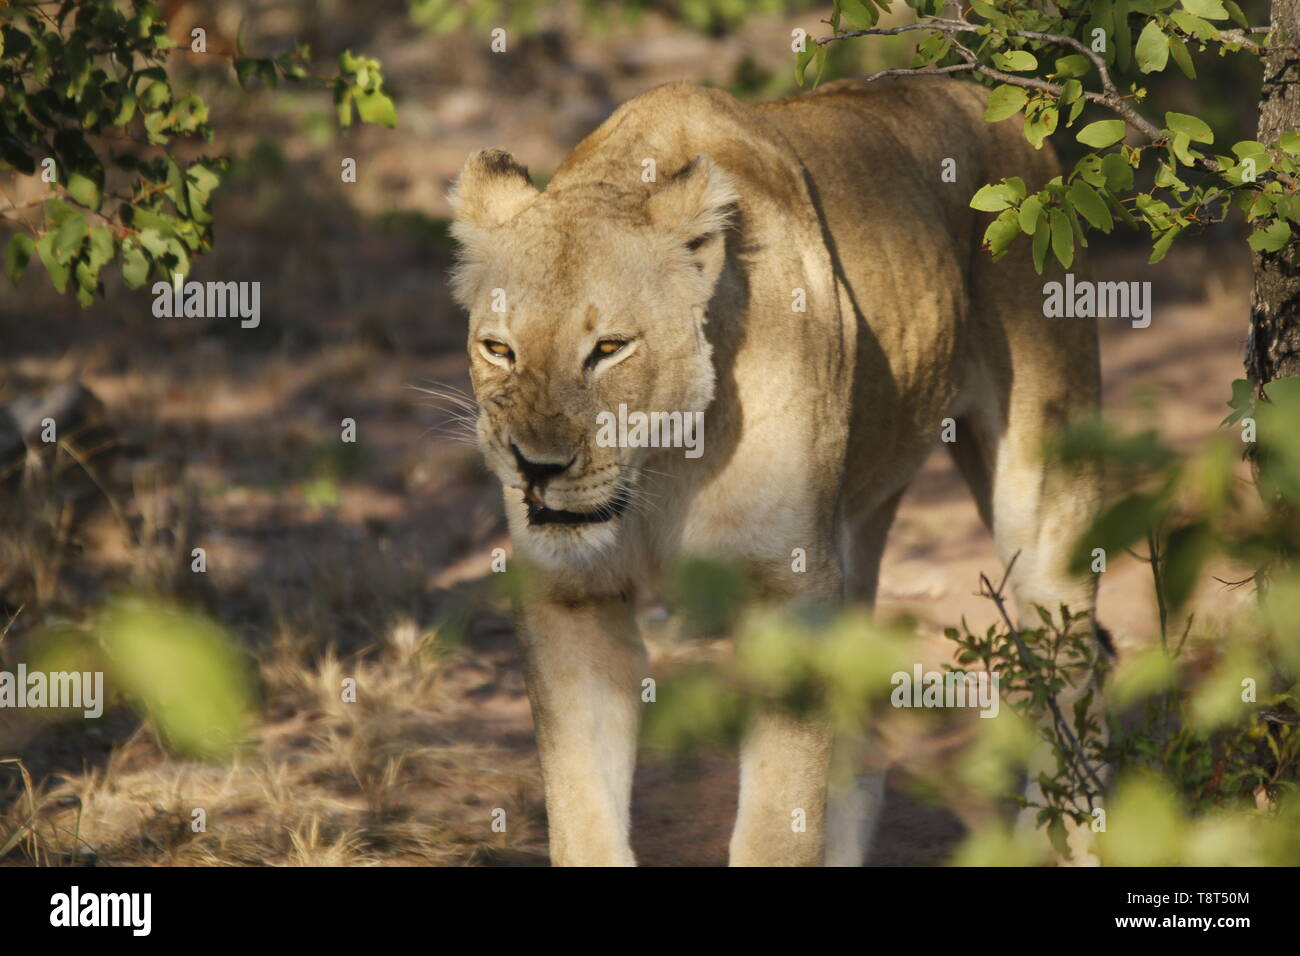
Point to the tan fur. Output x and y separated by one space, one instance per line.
815 420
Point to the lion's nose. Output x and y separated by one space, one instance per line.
538 472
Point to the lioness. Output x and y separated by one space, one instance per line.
664 269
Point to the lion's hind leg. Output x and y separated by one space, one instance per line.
856 794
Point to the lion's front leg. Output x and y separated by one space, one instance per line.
784 764
585 663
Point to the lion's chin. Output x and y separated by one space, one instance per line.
576 546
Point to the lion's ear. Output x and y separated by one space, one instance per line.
694 208
491 190
696 203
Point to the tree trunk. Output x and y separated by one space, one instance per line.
1273 348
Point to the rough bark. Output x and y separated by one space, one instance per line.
1273 347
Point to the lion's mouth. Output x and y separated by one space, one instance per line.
541 515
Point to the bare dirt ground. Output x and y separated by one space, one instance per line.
372 561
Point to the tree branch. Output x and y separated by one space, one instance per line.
1240 37
1109 98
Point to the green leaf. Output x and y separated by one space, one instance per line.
154 241
1041 125
1152 48
1209 9
376 108
204 179
181 258
17 254
1242 401
1005 101
1142 675
87 283
58 271
1089 170
860 16
348 62
1178 49
1042 238
145 219
176 187
184 671
812 55
266 73
99 248
1001 232
1117 527
1288 206
135 266
1238 17
1123 35
990 198
1147 827
1102 133
1076 64
1185 552
84 190
245 70
68 238
931 50
1182 149
1089 204
1197 130
1016 60
1031 214
125 109
1062 237
1162 245
1261 206
1275 237
154 94
1193 26
1119 174
1075 108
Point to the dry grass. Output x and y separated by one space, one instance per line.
331 783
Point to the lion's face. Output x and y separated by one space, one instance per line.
580 302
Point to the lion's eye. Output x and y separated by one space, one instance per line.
499 349
607 347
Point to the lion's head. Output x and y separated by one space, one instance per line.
582 299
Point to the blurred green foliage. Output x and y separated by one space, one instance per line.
710 593
184 673
88 106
